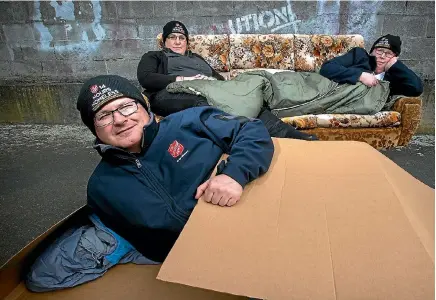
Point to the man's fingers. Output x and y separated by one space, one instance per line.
216 198
224 200
232 201
208 195
201 189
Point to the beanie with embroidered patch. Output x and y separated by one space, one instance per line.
391 42
174 27
100 90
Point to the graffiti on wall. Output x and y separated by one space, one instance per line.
361 18
76 34
273 20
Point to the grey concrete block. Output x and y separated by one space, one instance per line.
120 31
217 8
85 69
409 26
77 51
26 68
186 8
423 68
420 8
418 48
134 9
242 8
430 27
57 69
108 10
123 67
134 49
2 34
108 49
367 25
149 31
392 7
6 52
33 50
165 9
84 10
14 12
18 32
5 69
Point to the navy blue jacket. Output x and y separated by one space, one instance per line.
147 198
347 68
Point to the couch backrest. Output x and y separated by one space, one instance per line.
297 52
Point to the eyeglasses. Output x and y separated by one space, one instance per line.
388 53
107 117
173 37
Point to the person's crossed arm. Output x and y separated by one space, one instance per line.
250 150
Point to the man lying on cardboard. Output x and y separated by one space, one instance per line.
151 175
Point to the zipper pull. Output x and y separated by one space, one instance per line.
138 163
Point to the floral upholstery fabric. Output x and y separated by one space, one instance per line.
301 122
312 50
274 51
213 48
380 119
379 138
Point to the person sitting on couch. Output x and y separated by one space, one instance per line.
157 69
381 63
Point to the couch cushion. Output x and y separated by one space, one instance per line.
273 51
301 122
213 48
312 50
380 119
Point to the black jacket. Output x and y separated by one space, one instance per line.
347 68
153 69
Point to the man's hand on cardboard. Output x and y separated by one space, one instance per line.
368 79
390 63
220 190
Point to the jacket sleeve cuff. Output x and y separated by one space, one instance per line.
236 174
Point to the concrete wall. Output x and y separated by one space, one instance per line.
53 44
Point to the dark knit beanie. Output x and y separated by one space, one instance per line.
174 27
391 42
100 90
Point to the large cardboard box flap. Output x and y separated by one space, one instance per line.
330 220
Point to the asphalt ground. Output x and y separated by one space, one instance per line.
44 171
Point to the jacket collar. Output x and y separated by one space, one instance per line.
150 131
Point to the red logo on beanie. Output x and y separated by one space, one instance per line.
175 149
94 89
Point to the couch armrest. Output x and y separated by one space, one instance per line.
401 103
410 110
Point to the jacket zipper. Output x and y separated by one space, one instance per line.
174 209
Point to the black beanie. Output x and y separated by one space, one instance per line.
98 91
391 42
174 27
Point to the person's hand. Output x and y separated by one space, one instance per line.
220 190
390 63
368 79
196 77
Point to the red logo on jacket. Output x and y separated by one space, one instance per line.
175 149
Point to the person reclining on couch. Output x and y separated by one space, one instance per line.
152 174
157 69
381 63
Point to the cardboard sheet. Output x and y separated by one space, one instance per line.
330 220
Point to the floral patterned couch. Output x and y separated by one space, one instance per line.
237 53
